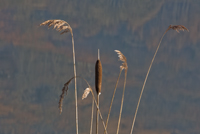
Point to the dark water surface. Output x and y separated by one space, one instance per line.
35 63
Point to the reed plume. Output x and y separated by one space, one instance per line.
63 27
174 27
98 83
123 59
64 90
86 93
125 67
59 25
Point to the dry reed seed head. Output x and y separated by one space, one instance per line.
61 100
98 76
86 93
64 89
177 28
123 59
59 25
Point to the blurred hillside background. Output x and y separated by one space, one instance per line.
35 63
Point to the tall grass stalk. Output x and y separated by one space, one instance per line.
175 27
112 99
63 26
122 102
125 67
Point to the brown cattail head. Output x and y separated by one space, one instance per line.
98 75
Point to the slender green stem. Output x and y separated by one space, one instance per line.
122 102
138 104
113 98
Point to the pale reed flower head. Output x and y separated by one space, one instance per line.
123 59
59 25
86 93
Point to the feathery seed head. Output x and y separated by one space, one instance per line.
123 59
86 93
177 28
59 25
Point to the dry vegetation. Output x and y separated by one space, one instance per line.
64 27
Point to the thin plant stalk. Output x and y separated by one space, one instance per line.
125 67
92 114
112 99
175 27
99 112
61 25
122 102
76 102
97 118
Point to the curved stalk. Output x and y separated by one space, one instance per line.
112 99
138 104
174 27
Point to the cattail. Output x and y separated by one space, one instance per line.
98 75
98 82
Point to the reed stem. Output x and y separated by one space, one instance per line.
92 116
122 102
75 81
97 118
112 99
138 104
